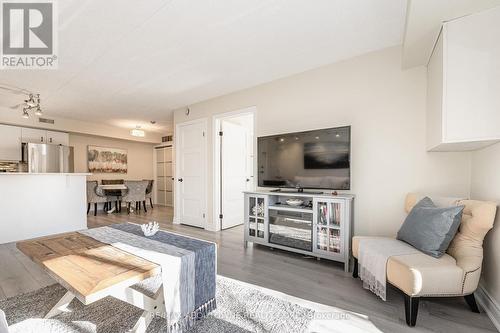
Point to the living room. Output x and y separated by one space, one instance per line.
270 139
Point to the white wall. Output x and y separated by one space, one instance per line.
485 185
140 156
386 108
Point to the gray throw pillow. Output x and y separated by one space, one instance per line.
430 229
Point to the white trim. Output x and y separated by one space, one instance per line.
216 120
204 122
489 305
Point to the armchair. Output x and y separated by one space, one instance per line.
456 273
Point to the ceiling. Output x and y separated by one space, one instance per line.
125 63
424 20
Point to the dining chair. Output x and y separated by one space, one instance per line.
114 195
135 192
94 195
149 191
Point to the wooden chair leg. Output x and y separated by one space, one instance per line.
95 209
471 301
119 205
355 269
116 205
144 205
88 208
136 206
411 309
151 202
128 208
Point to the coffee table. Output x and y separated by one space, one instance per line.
91 270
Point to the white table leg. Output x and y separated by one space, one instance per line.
61 306
142 324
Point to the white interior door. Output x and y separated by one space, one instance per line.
191 176
234 173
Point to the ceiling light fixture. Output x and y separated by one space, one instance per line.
137 132
38 111
32 104
26 115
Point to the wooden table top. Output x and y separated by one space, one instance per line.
86 267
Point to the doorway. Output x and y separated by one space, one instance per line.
191 156
234 165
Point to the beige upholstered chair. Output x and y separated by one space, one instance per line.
456 273
149 191
136 192
94 196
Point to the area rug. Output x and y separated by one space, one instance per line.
241 308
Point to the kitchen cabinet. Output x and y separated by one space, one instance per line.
34 135
463 76
10 143
58 138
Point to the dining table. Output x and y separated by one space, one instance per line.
112 187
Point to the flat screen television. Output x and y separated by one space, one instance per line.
318 159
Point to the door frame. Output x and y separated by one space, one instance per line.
216 121
177 206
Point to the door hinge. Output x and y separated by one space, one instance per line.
221 133
203 134
203 215
221 216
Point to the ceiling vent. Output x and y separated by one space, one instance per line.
167 138
46 120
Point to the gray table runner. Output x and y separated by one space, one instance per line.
188 268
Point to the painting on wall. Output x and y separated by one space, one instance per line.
107 160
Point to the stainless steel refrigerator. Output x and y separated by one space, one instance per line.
45 158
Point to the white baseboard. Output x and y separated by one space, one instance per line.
489 305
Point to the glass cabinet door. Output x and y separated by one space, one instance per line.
328 226
256 218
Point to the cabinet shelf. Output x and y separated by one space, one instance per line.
291 208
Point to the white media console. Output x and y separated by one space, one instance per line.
321 227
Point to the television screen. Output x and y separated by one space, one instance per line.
318 159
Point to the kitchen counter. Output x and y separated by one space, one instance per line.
44 174
41 204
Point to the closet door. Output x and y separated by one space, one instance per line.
164 174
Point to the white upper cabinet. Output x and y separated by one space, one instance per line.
10 143
463 92
34 135
58 138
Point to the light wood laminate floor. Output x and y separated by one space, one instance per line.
318 281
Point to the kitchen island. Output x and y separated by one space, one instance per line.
41 204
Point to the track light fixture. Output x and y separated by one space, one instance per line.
32 104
